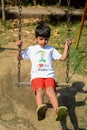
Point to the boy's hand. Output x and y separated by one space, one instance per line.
68 42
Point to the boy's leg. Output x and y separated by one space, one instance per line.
39 96
53 98
41 107
38 87
61 111
50 90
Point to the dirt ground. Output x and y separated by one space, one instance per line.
40 11
17 104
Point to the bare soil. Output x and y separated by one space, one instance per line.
17 104
42 11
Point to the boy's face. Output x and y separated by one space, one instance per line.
42 41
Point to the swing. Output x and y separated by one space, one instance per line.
62 84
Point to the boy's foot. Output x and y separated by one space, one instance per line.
41 112
61 113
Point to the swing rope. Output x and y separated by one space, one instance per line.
19 48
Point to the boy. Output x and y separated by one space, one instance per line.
42 72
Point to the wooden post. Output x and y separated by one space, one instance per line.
81 25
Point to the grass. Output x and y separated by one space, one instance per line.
78 57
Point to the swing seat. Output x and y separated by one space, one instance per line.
27 84
63 84
23 84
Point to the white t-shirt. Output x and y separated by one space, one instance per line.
41 59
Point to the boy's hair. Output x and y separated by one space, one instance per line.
42 30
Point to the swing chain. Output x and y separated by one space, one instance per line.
68 36
20 16
68 18
19 37
19 64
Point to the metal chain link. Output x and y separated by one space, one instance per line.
68 36
20 17
19 37
19 65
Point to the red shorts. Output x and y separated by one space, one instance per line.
43 83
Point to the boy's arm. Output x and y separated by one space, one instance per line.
65 52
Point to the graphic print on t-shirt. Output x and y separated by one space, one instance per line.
42 62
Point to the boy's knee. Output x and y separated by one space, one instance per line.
40 91
49 90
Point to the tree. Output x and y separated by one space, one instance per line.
3 14
34 2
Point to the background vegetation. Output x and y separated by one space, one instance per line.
74 3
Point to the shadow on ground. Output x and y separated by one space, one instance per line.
68 98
